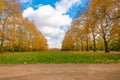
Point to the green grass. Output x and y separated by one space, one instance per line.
59 57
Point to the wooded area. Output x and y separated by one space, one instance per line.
16 32
98 28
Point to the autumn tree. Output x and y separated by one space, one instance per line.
99 24
16 32
68 42
104 10
84 29
92 17
115 31
5 14
77 38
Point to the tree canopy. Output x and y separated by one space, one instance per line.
16 32
95 27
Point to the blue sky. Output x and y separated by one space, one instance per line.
52 17
72 12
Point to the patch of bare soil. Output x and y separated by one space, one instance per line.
60 72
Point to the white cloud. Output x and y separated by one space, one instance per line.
49 20
64 5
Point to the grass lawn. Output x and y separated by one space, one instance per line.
59 57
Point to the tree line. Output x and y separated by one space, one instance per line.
16 32
97 28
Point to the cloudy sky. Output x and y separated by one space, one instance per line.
52 17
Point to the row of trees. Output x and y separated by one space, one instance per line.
16 32
98 28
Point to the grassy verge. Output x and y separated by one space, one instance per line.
59 57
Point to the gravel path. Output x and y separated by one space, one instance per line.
60 72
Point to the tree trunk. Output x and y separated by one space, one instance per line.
19 48
87 49
19 45
106 45
2 45
119 44
82 46
13 47
94 43
2 40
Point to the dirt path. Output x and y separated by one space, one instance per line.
60 72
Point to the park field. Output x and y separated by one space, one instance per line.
59 57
